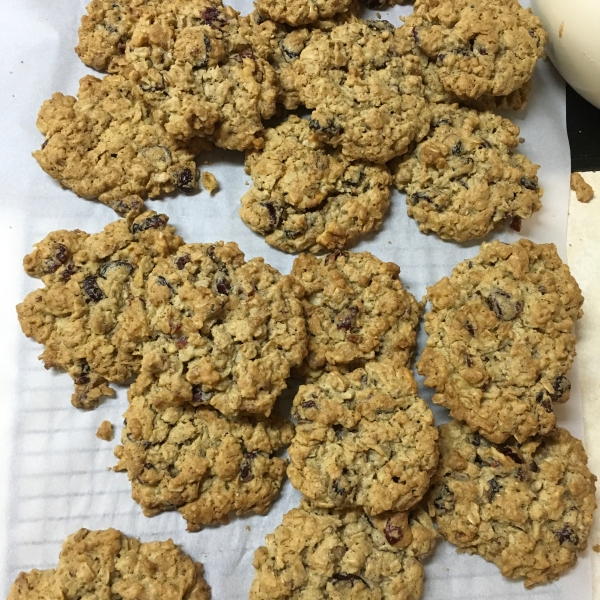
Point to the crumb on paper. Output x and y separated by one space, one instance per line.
378 15
209 181
596 547
105 431
247 527
583 190
561 29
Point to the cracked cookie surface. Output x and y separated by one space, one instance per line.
315 553
464 179
480 47
228 331
108 144
525 507
91 315
307 196
363 439
196 460
365 87
501 339
108 564
356 311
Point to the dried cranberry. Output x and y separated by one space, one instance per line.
181 342
346 320
415 35
393 533
211 15
91 289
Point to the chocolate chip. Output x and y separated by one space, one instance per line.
181 261
154 222
346 320
91 289
393 533
113 264
494 489
566 534
199 396
512 454
530 184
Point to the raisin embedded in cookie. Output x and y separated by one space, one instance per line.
316 553
464 179
196 460
108 564
527 507
228 331
107 144
480 47
308 197
501 341
363 439
365 87
91 314
356 311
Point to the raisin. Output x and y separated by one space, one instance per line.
444 501
501 303
418 196
246 473
476 440
522 474
181 261
516 223
331 128
457 148
181 342
276 214
245 53
337 487
333 256
291 235
223 286
561 387
154 222
533 467
199 396
382 25
485 144
470 329
441 122
339 430
62 254
211 15
185 179
508 451
309 404
482 51
494 489
542 289
529 183
68 272
336 577
162 281
114 263
464 183
393 533
480 462
566 534
543 401
91 289
346 320
415 37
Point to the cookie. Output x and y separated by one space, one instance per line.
464 179
363 439
306 196
480 47
196 460
301 12
316 553
188 59
501 339
91 314
229 331
108 564
365 87
525 507
107 144
356 311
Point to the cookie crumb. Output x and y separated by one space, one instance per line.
247 527
596 547
584 191
105 431
561 29
209 181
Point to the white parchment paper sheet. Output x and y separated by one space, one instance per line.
54 470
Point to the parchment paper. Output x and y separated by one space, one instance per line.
55 475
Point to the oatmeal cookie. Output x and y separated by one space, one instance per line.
196 460
189 61
301 12
480 47
527 507
356 311
108 564
365 87
308 197
363 439
107 144
501 339
229 330
316 553
91 314
464 179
